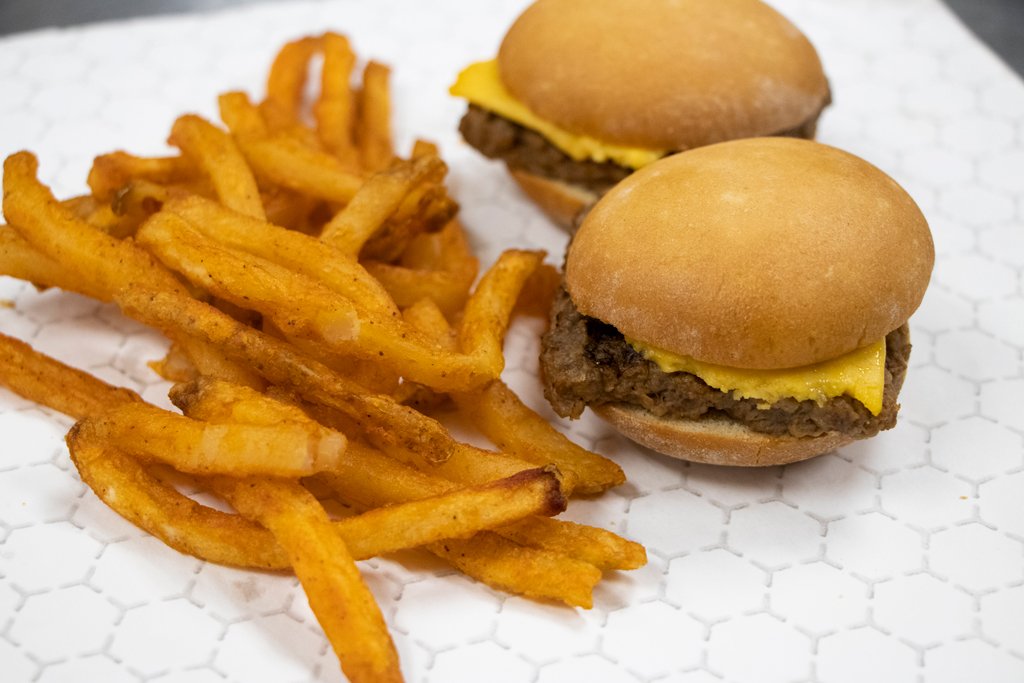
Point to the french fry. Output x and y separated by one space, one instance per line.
300 253
21 260
287 78
299 306
533 573
287 449
517 430
107 264
111 172
489 309
42 379
241 116
289 162
128 488
379 198
335 110
373 127
341 601
213 150
384 421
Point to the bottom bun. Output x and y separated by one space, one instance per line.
715 441
561 201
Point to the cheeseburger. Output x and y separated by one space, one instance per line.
743 303
584 92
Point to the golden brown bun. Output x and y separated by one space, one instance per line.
660 74
758 253
560 201
716 442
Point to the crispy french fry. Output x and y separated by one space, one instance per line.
288 449
241 116
335 110
373 127
384 421
111 172
341 601
287 78
21 260
296 304
289 162
44 380
213 150
125 484
531 572
517 430
106 263
488 310
298 252
379 198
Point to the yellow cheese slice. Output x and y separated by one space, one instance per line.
859 374
481 84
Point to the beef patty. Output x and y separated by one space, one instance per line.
523 149
587 362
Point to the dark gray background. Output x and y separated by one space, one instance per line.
1000 23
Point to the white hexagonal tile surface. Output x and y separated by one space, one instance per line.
899 558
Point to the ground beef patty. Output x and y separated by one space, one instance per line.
523 149
587 362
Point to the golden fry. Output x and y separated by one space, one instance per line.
335 110
299 306
111 172
105 263
373 127
218 156
287 78
341 601
42 379
514 428
387 423
287 449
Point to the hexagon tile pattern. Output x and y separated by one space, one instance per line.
896 559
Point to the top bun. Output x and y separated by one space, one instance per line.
660 74
762 253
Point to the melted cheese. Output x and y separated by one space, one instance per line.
859 374
481 84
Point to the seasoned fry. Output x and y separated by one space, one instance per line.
84 252
111 172
241 116
300 253
298 305
216 154
287 449
288 161
39 378
125 484
379 198
335 110
373 127
384 421
341 601
530 572
287 78
519 431
489 309
20 259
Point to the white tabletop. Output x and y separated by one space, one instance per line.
896 559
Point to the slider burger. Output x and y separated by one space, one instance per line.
584 92
743 303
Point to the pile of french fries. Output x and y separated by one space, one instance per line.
319 298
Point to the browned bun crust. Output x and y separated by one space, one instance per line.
561 201
759 253
713 441
663 75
